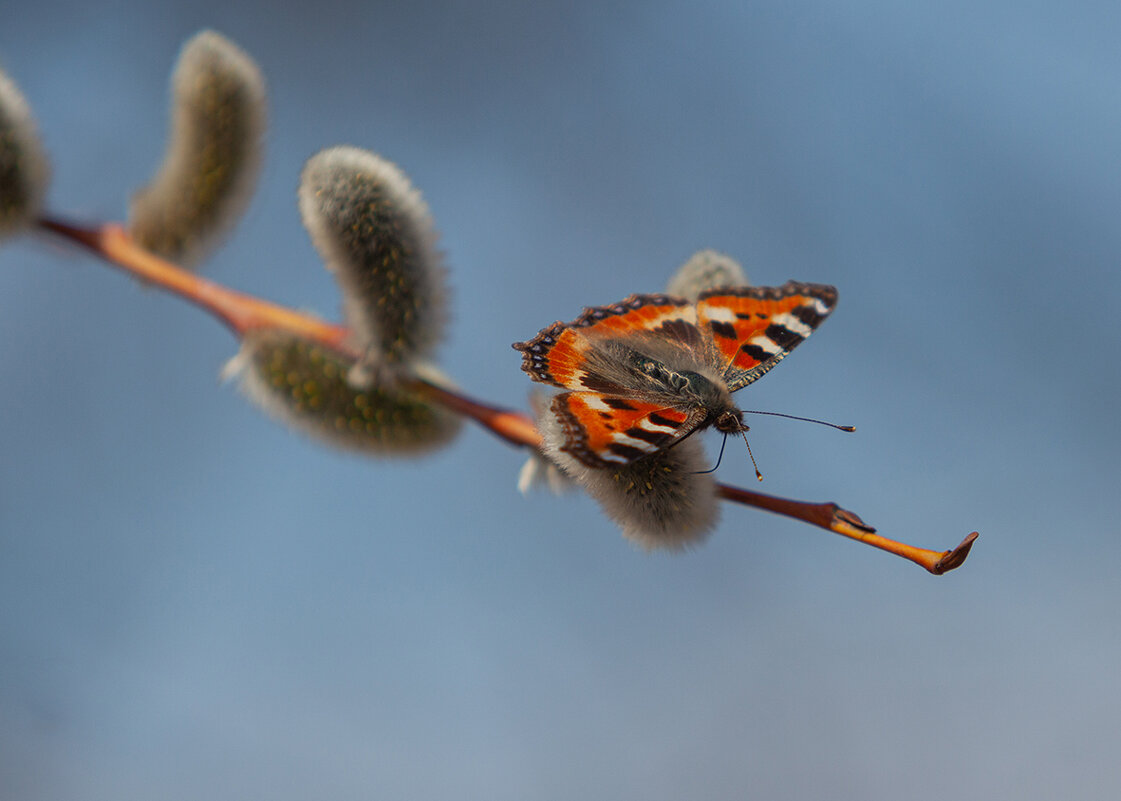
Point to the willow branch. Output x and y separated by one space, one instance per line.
243 313
841 521
240 312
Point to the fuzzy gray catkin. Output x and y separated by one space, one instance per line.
706 269
24 171
213 155
661 501
304 384
374 232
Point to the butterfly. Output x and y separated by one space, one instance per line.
644 373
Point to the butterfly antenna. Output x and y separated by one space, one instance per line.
723 442
743 433
803 419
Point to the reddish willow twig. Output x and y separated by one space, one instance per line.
244 313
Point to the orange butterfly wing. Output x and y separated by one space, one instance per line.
557 355
754 328
605 431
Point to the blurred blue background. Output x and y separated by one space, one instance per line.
197 603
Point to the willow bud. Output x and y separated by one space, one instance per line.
374 232
665 500
213 155
305 385
705 270
24 171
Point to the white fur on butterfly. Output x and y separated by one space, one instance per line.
661 501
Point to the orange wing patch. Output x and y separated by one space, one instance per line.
560 356
755 327
556 354
602 430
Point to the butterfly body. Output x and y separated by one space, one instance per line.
652 369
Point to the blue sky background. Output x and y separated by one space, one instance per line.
197 603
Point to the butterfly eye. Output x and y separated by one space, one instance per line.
730 422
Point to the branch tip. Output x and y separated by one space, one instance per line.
954 559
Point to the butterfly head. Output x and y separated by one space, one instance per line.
729 421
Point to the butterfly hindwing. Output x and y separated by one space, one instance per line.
609 431
753 328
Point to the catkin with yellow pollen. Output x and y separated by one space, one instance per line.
662 501
305 385
374 232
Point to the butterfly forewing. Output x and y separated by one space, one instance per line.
560 354
605 430
753 328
